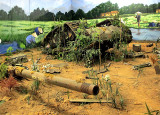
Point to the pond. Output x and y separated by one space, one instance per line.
145 34
5 46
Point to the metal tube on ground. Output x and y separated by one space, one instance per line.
59 81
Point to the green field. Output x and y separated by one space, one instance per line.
19 30
131 21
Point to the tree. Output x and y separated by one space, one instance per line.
116 7
3 15
49 16
37 14
79 14
158 5
71 15
138 7
60 16
146 9
89 15
17 13
154 6
102 8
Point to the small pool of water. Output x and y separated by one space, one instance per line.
4 47
145 34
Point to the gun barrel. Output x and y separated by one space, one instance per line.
59 81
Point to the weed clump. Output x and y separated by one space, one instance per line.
35 86
7 84
108 90
3 70
9 51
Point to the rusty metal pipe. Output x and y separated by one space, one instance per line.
59 81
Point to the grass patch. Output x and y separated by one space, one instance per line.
146 18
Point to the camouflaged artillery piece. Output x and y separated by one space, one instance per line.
110 31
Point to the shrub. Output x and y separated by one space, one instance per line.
35 86
21 45
9 51
3 70
8 83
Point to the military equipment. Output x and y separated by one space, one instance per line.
59 81
109 31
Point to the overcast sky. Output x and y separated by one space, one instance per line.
65 5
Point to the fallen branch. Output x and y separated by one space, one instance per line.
89 101
136 67
96 71
149 45
91 78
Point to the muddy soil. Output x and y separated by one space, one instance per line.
50 99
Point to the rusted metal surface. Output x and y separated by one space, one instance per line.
59 81
107 30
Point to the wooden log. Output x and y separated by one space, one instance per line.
96 71
135 55
149 45
136 67
136 47
52 71
139 54
102 70
90 101
91 78
109 65
17 59
157 52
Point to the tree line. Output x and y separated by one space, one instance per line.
17 13
139 7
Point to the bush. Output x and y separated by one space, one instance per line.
9 51
8 83
3 70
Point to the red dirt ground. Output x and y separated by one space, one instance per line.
136 91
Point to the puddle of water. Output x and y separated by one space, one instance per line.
4 47
145 34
